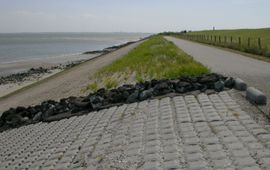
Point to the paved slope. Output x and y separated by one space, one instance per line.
66 84
255 72
203 132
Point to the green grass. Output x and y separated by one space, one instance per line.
156 58
110 83
244 34
93 87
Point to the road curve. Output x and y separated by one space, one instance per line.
255 72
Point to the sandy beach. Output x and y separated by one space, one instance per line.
7 68
8 88
55 65
63 84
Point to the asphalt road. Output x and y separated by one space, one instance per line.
254 72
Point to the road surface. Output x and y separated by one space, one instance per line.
255 72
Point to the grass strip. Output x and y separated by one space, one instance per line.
253 41
156 58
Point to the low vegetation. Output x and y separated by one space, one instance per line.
156 58
255 41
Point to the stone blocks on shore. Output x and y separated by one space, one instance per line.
256 96
51 110
240 84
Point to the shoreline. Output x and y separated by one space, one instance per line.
15 69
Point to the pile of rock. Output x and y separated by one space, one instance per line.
19 77
53 110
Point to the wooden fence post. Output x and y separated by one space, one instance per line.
239 39
259 43
219 39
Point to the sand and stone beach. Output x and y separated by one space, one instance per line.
63 84
19 74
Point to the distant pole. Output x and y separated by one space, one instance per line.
214 28
219 39
239 40
259 43
231 40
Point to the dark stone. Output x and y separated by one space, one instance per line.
229 82
197 86
80 103
38 117
2 122
14 120
204 88
76 110
20 109
125 95
133 97
47 113
114 96
193 79
101 92
139 86
183 84
52 110
182 87
210 78
219 86
147 85
160 86
154 82
163 87
96 102
146 94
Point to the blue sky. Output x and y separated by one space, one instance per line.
131 15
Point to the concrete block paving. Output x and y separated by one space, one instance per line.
190 132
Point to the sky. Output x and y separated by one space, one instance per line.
131 15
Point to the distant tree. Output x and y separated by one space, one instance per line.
183 32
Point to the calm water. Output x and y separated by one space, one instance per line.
27 46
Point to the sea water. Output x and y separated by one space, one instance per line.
27 46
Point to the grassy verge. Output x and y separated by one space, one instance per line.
254 41
156 58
